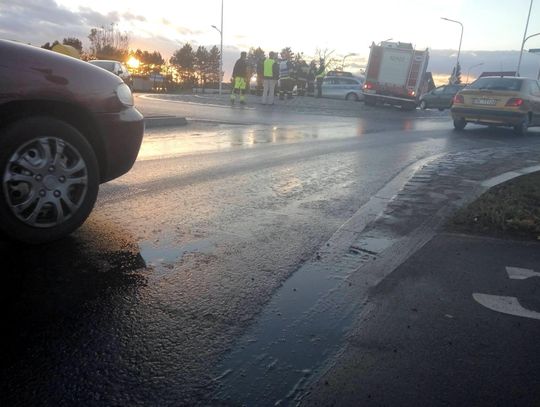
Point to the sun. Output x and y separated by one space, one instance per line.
133 62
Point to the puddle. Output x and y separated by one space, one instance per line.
168 252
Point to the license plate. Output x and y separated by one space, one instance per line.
484 102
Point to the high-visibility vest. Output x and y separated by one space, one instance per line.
268 68
321 74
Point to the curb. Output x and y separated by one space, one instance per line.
164 121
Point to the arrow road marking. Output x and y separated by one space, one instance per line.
505 305
516 273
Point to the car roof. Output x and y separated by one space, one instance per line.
345 77
104 60
504 77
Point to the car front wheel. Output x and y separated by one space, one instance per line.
351 96
49 179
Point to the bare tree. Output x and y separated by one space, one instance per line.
109 43
325 55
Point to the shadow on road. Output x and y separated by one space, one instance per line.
50 288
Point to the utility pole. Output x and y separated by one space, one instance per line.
460 39
525 38
220 31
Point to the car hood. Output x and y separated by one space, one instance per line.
32 73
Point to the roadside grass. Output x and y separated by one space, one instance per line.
509 209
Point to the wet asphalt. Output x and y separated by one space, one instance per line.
423 338
183 255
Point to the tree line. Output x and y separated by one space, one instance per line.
188 67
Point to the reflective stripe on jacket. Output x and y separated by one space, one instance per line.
283 70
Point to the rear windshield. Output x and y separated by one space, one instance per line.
108 65
512 84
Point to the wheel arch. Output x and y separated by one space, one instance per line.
72 114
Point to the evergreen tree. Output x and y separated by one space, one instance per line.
183 60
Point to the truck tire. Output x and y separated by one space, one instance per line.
370 100
407 107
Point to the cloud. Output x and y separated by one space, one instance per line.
442 61
40 21
133 17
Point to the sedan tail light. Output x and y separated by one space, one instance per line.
368 85
458 99
515 102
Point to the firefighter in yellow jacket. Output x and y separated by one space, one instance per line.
240 78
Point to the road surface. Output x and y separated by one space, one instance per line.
182 254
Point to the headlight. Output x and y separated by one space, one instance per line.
124 94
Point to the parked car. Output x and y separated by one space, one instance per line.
343 87
499 101
340 73
117 68
65 127
440 98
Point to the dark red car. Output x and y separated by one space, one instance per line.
65 127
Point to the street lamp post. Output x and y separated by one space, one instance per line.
522 46
220 31
524 39
460 39
536 51
343 62
471 67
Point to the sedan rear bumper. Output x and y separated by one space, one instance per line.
484 116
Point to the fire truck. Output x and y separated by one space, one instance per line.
395 75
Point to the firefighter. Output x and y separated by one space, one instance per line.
260 75
319 77
302 75
240 78
286 82
311 78
271 74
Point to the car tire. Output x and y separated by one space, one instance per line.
352 96
49 179
459 124
423 105
522 128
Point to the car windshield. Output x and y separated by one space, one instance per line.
108 65
510 84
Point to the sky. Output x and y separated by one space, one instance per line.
342 26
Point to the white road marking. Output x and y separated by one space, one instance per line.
505 305
516 273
